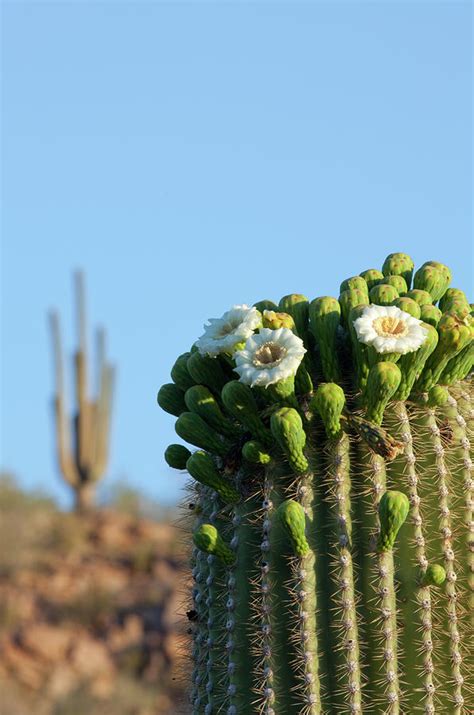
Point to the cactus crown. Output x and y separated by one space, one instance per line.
321 427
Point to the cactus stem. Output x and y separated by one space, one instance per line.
347 616
445 527
423 594
212 664
386 600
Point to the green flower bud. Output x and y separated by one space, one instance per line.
408 305
329 402
393 511
202 402
176 455
207 371
193 429
324 320
351 299
206 538
397 282
437 396
399 264
459 307
287 429
274 320
263 305
382 383
372 276
355 283
171 399
451 295
360 351
292 517
430 314
255 452
297 306
435 575
412 364
201 467
383 294
180 374
376 438
459 367
434 278
422 297
240 402
454 335
303 381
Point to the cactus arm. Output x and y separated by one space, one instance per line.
416 610
63 435
445 528
104 412
346 619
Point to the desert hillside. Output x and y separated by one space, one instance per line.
92 616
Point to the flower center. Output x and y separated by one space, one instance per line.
227 328
388 327
269 355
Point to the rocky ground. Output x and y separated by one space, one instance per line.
91 614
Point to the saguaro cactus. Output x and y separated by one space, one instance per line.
82 456
332 499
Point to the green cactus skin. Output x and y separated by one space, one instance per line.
422 297
355 283
206 371
408 305
239 401
296 305
382 383
180 373
329 402
372 277
393 510
201 467
291 515
430 314
397 282
207 538
435 575
176 456
171 399
434 278
201 401
451 296
256 453
263 305
324 320
454 335
345 616
349 299
399 264
383 294
412 364
287 429
193 429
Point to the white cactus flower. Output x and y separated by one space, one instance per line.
269 357
221 335
389 329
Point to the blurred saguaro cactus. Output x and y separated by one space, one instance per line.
82 454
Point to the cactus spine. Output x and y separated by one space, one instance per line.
82 459
333 550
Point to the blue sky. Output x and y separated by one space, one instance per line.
193 156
